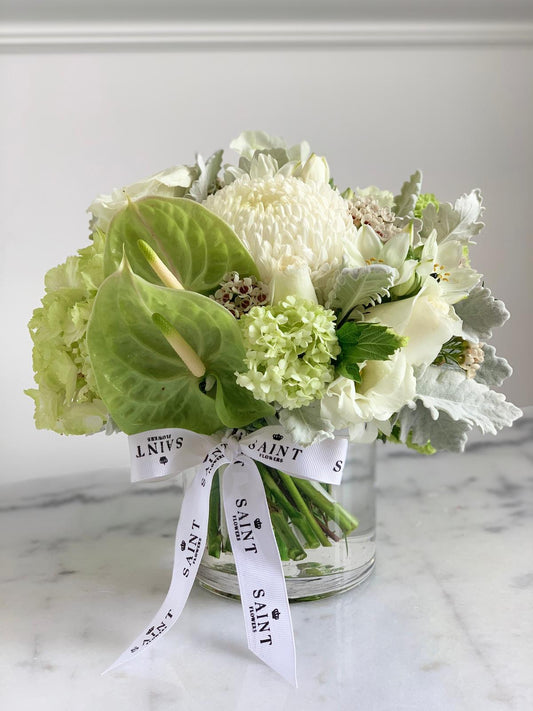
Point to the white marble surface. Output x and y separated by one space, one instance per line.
444 624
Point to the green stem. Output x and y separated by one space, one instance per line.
295 516
280 542
214 539
290 485
323 501
282 530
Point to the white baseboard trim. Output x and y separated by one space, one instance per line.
109 36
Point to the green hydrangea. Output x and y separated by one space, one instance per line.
424 199
66 399
289 347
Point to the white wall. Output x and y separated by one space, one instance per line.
76 123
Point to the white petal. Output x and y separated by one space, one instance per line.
368 243
450 254
263 166
395 250
429 251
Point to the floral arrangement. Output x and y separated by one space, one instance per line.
218 296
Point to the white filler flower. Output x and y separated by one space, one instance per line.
280 217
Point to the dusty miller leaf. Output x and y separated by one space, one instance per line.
305 424
444 433
494 370
404 203
442 389
360 286
460 222
480 313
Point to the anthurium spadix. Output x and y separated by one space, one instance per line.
196 246
143 381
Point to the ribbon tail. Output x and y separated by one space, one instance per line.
191 534
262 586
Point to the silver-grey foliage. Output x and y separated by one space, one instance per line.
458 222
360 287
494 369
447 396
405 202
480 313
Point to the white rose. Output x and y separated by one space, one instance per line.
426 319
363 408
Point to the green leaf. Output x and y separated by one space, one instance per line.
368 341
364 341
196 245
460 222
394 437
140 378
480 313
348 368
360 287
405 202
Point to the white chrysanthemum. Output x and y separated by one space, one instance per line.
283 217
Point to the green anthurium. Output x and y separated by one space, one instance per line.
143 382
197 246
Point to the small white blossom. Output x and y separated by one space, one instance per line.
366 210
472 358
384 198
369 249
445 264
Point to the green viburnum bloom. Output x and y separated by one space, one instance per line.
66 399
289 347
423 201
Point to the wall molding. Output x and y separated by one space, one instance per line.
25 37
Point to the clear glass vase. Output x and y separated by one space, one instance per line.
344 559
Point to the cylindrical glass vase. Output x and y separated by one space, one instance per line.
332 555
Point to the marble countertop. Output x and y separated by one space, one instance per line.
445 623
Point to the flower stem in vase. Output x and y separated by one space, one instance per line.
325 502
290 544
214 538
294 515
290 485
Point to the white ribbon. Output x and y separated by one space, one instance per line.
158 454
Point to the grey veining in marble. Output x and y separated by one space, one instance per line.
444 624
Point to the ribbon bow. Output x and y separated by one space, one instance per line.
167 452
